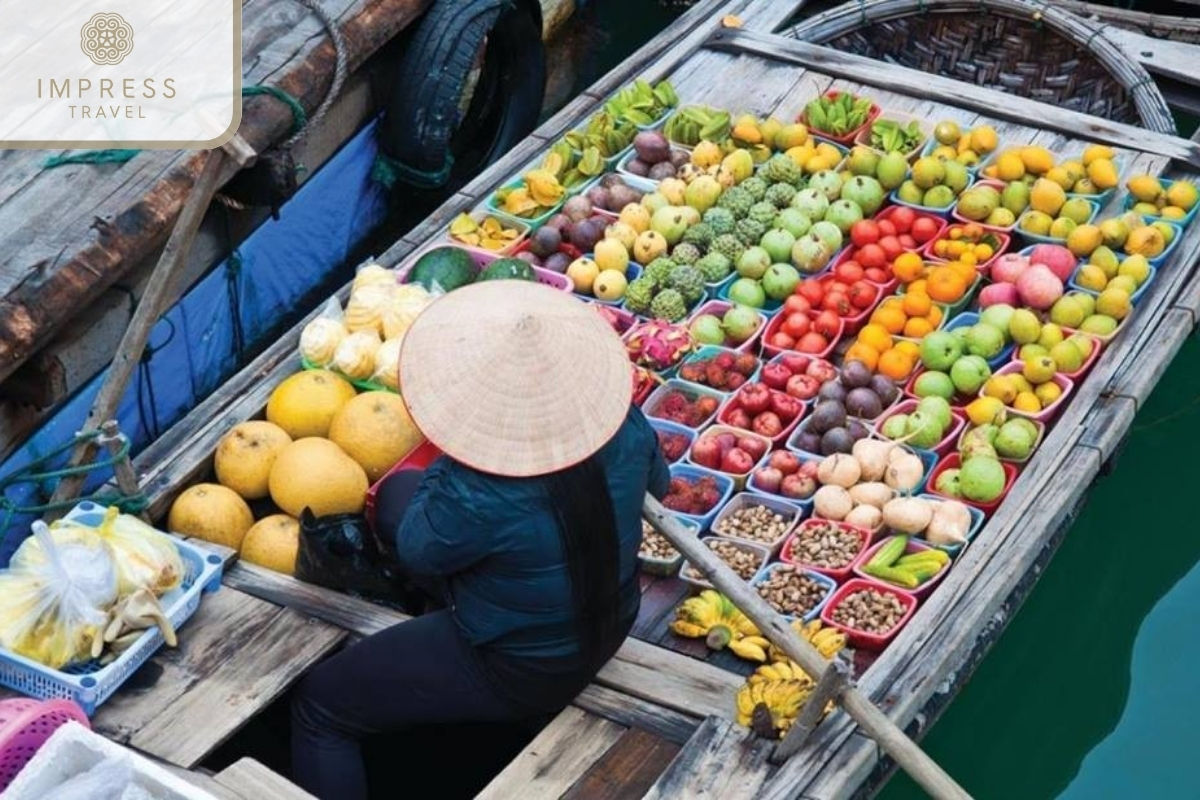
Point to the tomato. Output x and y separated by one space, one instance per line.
908 242
924 229
812 343
877 275
864 231
862 295
828 324
782 341
811 290
891 247
836 302
796 324
796 303
886 228
849 271
873 256
903 218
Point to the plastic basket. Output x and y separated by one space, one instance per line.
1041 429
805 504
914 546
830 585
421 457
864 134
773 326
847 138
965 319
769 306
691 390
482 259
708 351
630 155
1036 237
632 272
89 684
862 639
532 222
837 573
1133 298
944 445
691 474
718 308
1005 241
1120 163
933 211
688 575
1130 201
666 426
998 186
667 567
733 403
739 478
792 515
1162 257
954 461
479 215
977 520
25 725
1049 412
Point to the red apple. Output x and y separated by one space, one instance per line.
734 380
812 342
849 271
821 370
768 479
829 324
756 448
872 257
782 341
903 218
738 418
864 231
775 375
727 441
924 229
798 487
886 228
796 303
767 424
737 461
786 407
804 387
795 362
785 461
706 452
795 325
755 398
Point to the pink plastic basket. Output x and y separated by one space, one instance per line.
25 725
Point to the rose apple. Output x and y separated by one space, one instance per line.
849 271
795 362
707 452
812 342
891 247
872 257
737 461
754 398
738 418
796 304
836 302
786 407
829 324
864 232
821 370
804 387
756 448
903 218
775 375
767 424
811 290
784 461
886 228
908 242
768 479
798 487
796 325
862 295
877 276
924 229
727 441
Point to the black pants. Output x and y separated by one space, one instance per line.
415 673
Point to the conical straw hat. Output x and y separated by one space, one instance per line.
514 378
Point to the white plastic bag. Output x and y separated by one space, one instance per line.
145 556
107 780
320 338
55 595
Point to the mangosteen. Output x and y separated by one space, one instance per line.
600 197
586 233
530 257
557 262
836 440
680 157
621 196
545 241
636 166
559 222
827 414
863 402
857 429
886 388
578 208
662 171
652 147
856 375
611 179
809 441
832 390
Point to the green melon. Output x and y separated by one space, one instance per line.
508 269
445 268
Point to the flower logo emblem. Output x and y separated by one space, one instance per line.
106 38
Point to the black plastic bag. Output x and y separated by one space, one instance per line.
339 551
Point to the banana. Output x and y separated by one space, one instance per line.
688 629
748 649
829 642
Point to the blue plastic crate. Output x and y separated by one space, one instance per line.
829 583
692 474
1133 298
1038 238
966 319
89 684
1130 201
666 426
632 272
1162 257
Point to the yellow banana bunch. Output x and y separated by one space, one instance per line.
712 616
828 641
781 698
780 671
751 648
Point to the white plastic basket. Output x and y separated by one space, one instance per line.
74 750
89 684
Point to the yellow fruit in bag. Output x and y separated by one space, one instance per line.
320 339
146 558
365 309
372 275
387 364
355 356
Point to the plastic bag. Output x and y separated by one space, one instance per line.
107 780
146 557
371 273
56 593
321 336
367 305
339 551
387 364
355 356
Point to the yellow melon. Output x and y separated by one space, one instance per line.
316 473
304 404
245 454
273 542
376 431
211 512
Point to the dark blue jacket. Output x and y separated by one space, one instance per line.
496 541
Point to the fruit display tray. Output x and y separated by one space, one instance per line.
863 639
954 461
830 585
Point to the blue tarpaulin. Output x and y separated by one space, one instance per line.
195 346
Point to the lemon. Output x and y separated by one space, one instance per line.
984 139
1047 393
986 411
1027 402
947 132
1037 159
1183 194
1010 167
1096 152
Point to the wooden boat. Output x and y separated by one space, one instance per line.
658 720
80 239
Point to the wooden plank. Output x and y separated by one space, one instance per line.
557 758
721 760
235 657
670 679
253 780
627 770
633 712
201 780
1007 106
1174 59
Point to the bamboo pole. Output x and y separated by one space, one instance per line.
920 767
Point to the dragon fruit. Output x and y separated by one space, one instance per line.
610 316
659 345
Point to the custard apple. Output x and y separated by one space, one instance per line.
728 245
780 195
688 281
701 235
686 253
659 270
720 220
737 200
669 305
755 186
781 169
638 295
715 267
762 212
751 231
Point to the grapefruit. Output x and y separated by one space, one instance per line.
211 512
316 473
375 430
273 542
304 403
245 454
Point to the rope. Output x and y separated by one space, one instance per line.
91 157
299 117
387 171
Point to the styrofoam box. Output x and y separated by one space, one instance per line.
73 750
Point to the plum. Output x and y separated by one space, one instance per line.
827 415
836 440
863 402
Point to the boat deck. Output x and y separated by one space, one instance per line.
657 722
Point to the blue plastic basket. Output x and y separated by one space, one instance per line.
1161 258
666 426
1133 298
966 319
944 213
632 273
1130 202
769 307
829 583
724 485
1034 237
89 684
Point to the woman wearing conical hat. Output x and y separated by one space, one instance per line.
530 523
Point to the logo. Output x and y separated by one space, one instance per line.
106 38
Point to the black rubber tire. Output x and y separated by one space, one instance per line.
421 121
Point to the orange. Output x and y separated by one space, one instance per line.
984 251
861 351
946 285
918 287
907 267
916 304
968 257
910 349
876 336
917 327
891 318
935 316
895 364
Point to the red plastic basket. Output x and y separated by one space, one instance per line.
838 574
846 139
420 458
862 639
954 461
25 725
773 325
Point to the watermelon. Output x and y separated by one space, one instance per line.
444 268
508 269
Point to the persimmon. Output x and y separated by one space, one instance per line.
877 336
891 318
917 304
861 351
917 327
895 364
908 267
945 285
